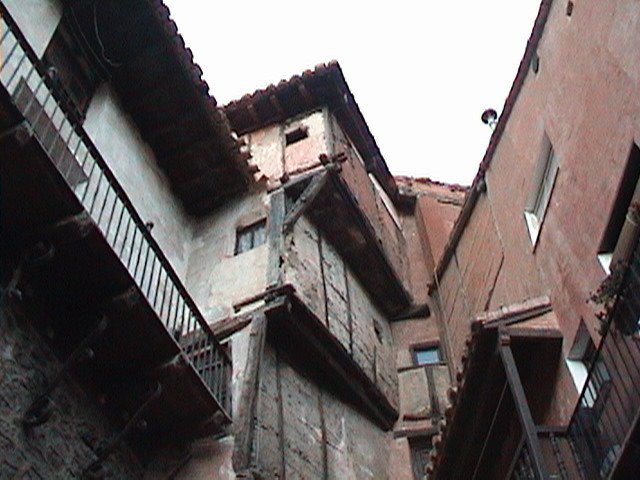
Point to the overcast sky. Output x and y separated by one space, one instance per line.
422 72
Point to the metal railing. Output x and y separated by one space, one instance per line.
47 108
610 401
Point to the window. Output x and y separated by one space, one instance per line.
544 179
624 197
251 236
581 356
427 355
296 134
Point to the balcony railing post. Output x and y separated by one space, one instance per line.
524 414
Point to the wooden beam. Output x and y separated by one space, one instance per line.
304 201
522 406
243 422
275 239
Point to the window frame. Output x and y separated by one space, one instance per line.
250 229
544 180
423 347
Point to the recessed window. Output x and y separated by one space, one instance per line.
295 135
582 356
544 179
251 236
427 355
624 198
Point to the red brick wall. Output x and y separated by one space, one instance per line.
585 97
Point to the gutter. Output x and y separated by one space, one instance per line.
478 186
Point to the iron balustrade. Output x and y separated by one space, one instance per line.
610 400
48 110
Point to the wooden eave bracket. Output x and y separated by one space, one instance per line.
305 200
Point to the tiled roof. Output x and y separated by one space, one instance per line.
325 85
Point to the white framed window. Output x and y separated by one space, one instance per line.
581 356
544 180
628 190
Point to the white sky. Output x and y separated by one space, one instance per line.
422 72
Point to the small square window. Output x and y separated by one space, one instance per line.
545 177
427 355
251 236
296 134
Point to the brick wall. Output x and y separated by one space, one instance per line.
63 446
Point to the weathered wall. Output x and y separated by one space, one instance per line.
335 295
134 165
217 278
64 446
303 431
37 19
592 125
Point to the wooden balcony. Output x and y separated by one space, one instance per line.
92 273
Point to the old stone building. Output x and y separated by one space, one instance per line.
190 290
195 291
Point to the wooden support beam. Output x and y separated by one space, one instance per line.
522 406
304 201
275 239
244 424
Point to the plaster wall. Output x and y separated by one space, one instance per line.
592 124
133 163
217 278
37 19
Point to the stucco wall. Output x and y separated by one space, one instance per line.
134 165
217 278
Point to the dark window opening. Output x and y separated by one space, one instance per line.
377 328
71 69
427 355
420 450
295 135
251 236
624 197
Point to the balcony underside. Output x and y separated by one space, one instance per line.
334 209
485 417
84 280
317 352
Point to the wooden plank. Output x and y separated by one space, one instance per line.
305 200
243 419
275 239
